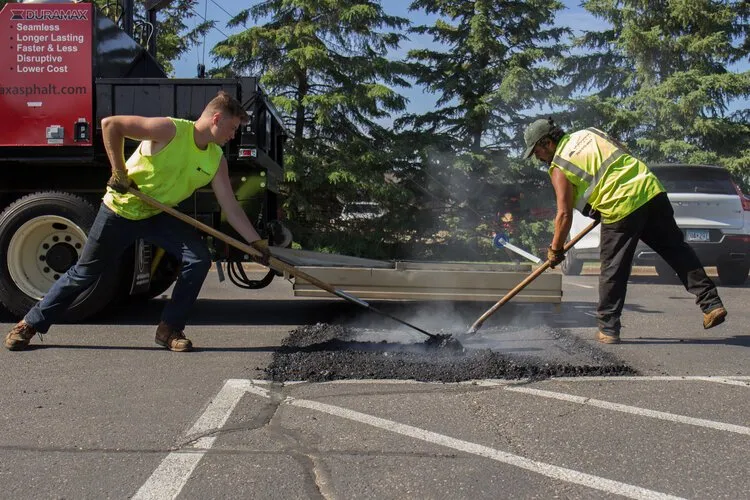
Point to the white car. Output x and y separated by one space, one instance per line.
709 208
361 210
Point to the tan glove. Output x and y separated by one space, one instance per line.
262 247
120 182
555 257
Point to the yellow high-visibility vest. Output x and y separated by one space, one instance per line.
170 176
604 174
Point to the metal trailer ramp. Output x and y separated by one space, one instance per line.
408 280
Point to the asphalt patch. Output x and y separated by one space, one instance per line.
324 352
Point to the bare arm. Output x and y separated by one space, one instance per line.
116 128
564 192
225 195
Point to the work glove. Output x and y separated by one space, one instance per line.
262 247
555 257
591 213
120 182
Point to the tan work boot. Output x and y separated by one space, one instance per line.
172 339
607 339
714 317
19 337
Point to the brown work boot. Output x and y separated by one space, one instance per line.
606 338
172 339
714 317
19 337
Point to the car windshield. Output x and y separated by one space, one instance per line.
695 180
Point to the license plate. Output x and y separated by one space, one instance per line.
697 235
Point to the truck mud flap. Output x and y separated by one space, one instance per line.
141 268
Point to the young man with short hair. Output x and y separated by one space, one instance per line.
174 158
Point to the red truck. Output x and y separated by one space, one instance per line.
65 66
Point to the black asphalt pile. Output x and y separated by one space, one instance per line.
325 352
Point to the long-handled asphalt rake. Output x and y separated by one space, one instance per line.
435 340
534 275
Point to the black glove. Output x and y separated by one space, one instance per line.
555 256
591 213
120 182
265 253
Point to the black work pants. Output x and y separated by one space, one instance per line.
654 224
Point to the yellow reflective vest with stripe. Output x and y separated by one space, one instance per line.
169 176
604 174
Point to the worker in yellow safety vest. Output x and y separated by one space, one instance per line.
596 174
174 158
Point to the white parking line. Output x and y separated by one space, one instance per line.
174 471
739 380
172 474
580 285
635 410
726 380
545 469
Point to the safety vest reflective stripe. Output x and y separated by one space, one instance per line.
592 179
573 169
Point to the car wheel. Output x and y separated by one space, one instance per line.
732 272
571 266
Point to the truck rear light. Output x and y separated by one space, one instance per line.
743 198
248 153
742 238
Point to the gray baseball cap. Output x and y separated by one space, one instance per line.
538 129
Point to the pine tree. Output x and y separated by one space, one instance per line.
494 62
324 64
174 36
663 77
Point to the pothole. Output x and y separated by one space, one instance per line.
325 352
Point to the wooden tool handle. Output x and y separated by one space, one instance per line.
534 275
274 262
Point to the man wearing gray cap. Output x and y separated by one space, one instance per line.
596 174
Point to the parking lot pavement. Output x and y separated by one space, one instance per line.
662 327
98 411
539 440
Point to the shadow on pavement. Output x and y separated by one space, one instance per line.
735 340
657 280
46 345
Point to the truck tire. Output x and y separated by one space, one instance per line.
732 272
571 266
41 236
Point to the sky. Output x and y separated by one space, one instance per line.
573 16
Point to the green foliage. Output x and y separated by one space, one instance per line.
174 37
534 236
661 79
659 74
324 63
495 62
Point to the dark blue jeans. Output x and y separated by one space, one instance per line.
110 235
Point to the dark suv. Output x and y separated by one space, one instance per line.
710 210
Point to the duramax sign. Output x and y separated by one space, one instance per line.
48 15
